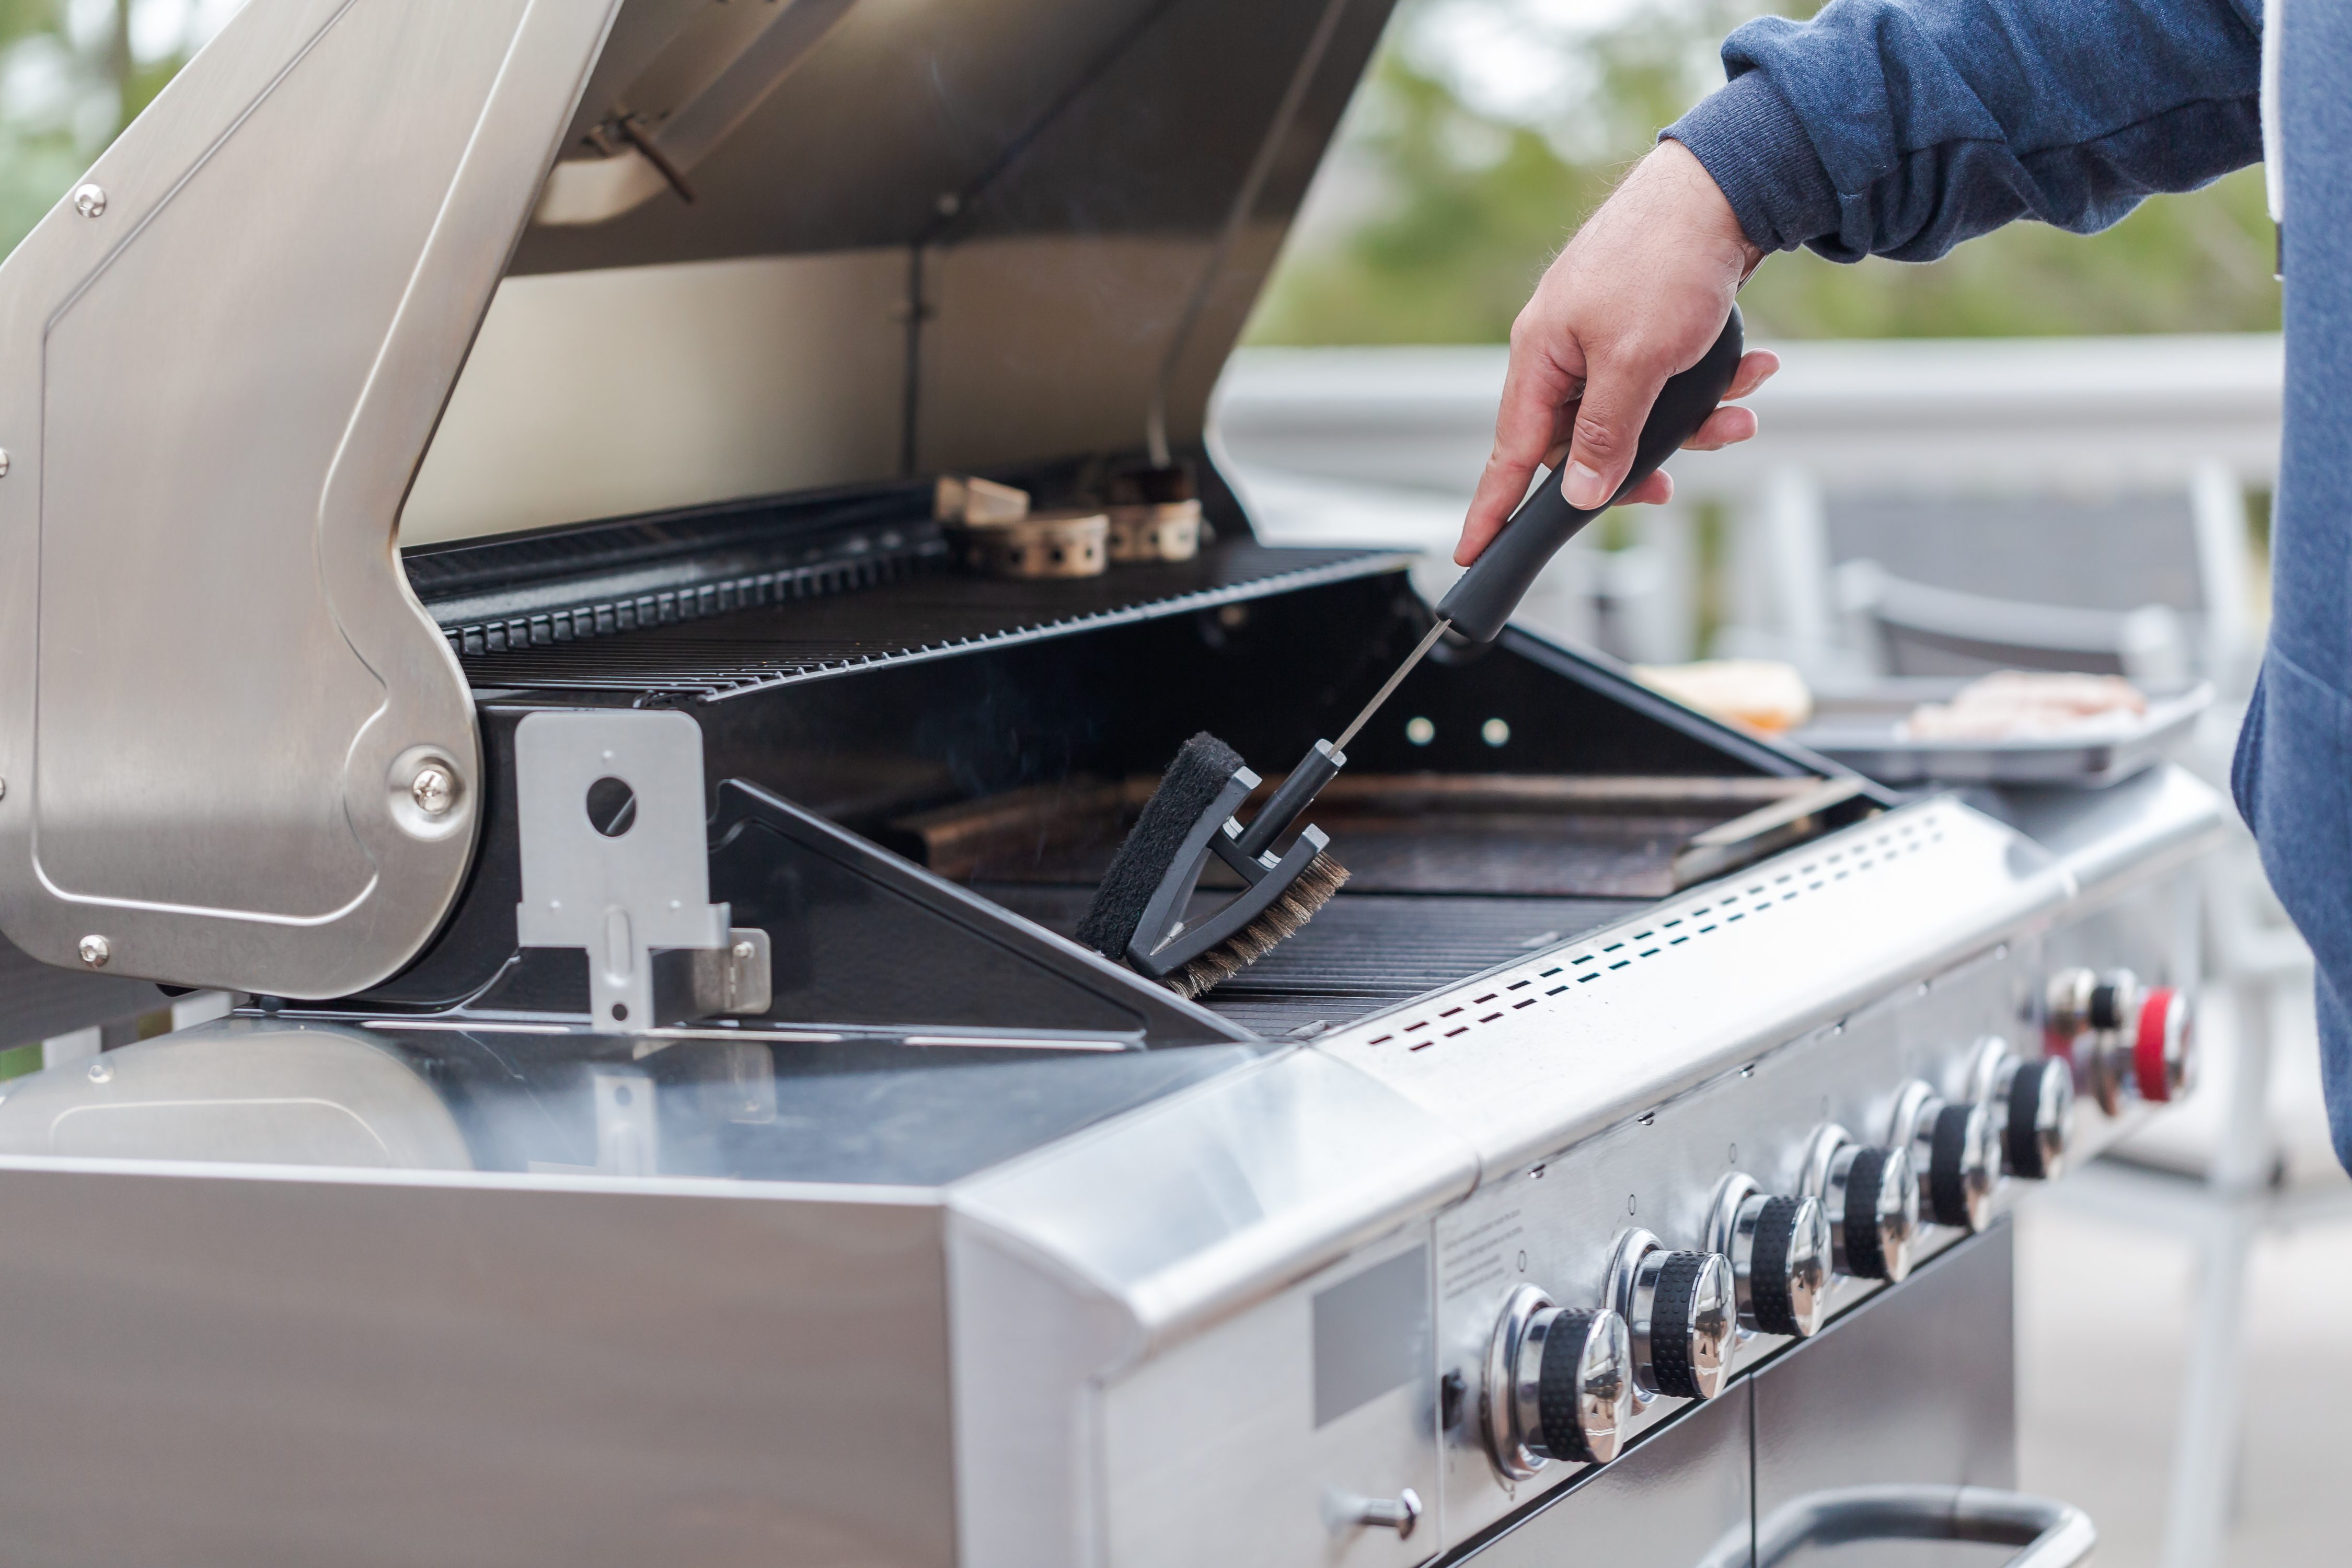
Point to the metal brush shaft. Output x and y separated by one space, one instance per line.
1322 764
1388 687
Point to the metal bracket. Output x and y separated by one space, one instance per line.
616 862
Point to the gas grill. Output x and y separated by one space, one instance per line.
472 585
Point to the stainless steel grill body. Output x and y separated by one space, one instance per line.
1111 1341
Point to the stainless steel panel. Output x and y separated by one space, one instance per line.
2124 832
1210 1200
1072 1266
1216 1451
1531 1056
216 1371
1918 1386
1677 1498
220 387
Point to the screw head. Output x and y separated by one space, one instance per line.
96 951
100 1072
433 790
3 462
4 789
89 200
742 952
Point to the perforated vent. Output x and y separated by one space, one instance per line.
1664 930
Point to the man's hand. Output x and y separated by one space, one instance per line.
1639 295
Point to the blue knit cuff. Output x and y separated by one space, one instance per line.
1748 138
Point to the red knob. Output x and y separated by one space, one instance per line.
2160 1050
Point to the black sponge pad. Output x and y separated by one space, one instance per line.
1189 788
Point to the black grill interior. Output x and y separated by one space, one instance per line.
1364 951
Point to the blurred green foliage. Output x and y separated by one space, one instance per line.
1456 211
1459 207
69 80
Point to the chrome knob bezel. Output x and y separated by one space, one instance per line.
1499 1403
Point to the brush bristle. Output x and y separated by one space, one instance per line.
1188 787
1323 877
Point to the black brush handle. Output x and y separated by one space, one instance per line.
1483 598
1318 767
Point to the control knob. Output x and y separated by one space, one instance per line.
2066 1008
1779 1248
2164 1046
1954 1156
1560 1384
2032 1107
1870 1196
2122 1039
1680 1310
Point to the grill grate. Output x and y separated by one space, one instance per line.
926 617
1363 952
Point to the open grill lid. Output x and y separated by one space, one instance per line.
921 236
925 234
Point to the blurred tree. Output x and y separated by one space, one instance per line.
1447 196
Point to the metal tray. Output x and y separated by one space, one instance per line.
1857 728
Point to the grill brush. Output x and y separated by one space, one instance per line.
1137 913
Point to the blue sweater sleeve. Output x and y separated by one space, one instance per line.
1900 128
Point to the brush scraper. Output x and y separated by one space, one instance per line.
1139 913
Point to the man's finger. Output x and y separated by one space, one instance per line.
1756 368
1722 428
1616 401
1655 490
1526 430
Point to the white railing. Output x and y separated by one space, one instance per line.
1384 445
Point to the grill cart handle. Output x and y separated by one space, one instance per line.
2053 1534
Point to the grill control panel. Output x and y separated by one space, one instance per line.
1843 1160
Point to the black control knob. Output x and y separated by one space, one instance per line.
1560 1384
2114 1000
1683 1314
2035 1102
1962 1165
1954 1156
1871 1197
1584 1385
1779 1248
2066 1006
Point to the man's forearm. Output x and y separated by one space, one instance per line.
1902 127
